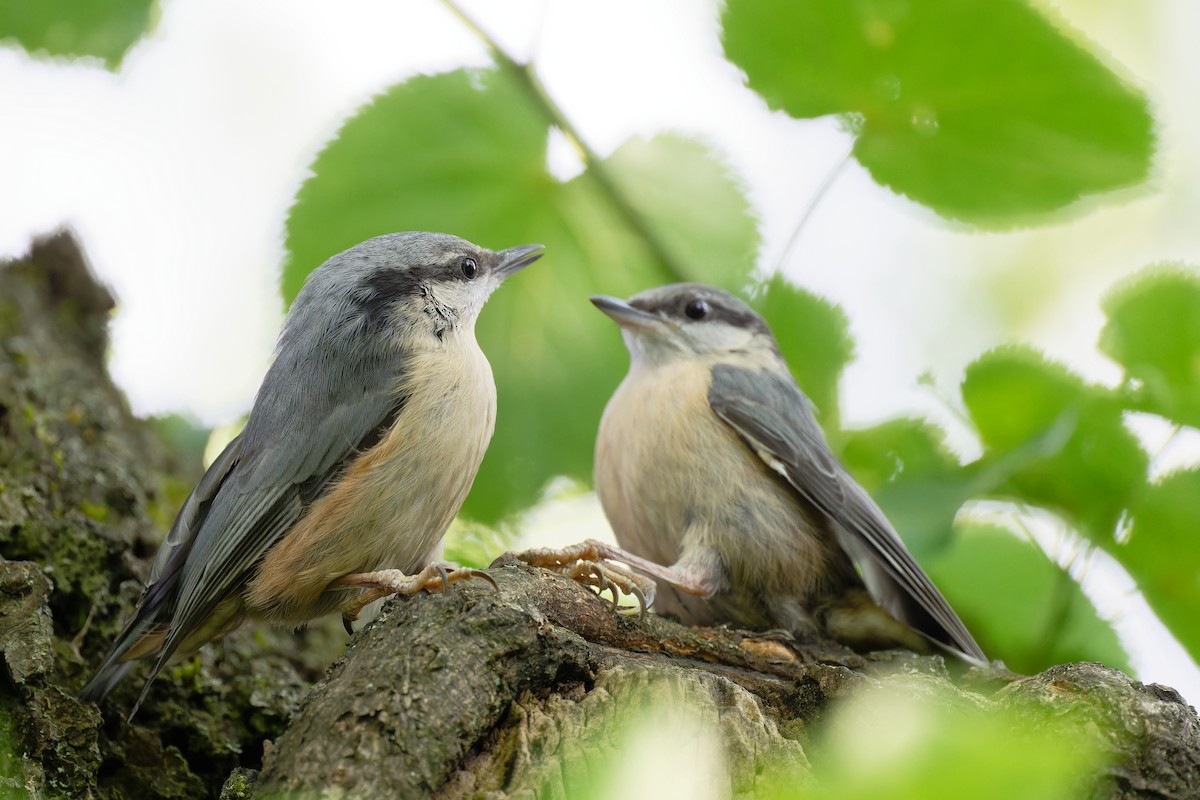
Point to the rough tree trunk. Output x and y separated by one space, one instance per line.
86 492
472 693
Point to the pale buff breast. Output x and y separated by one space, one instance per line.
393 505
645 478
672 476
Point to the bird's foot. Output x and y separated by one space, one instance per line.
387 582
590 565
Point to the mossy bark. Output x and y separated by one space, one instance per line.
85 490
485 694
471 693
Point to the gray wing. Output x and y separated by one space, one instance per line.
299 435
774 418
158 593
256 489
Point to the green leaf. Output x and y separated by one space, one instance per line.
1019 604
1090 465
920 484
1163 553
905 738
985 112
458 152
695 207
102 28
1153 331
917 481
465 152
814 337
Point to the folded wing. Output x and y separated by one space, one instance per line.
775 420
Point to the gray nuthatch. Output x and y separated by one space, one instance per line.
717 481
362 443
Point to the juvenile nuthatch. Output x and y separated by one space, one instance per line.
361 445
717 481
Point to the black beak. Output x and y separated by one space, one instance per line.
624 314
515 259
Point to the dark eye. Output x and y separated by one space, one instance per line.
697 309
468 268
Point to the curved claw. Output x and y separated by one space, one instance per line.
606 585
444 575
478 573
641 598
348 624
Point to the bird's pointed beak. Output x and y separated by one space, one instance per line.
624 314
515 259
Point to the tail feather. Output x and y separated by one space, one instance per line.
144 637
104 681
135 641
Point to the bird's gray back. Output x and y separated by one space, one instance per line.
334 381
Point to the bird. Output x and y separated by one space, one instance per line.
359 450
718 482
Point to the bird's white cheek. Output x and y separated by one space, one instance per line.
650 346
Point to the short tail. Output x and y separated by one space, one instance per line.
135 641
104 681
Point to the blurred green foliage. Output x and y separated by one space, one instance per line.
1029 609
985 112
904 740
471 544
1162 553
185 435
814 337
1153 331
105 29
465 152
1015 394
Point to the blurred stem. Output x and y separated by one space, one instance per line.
813 202
1061 595
528 79
1061 599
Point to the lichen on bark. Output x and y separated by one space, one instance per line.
81 484
524 691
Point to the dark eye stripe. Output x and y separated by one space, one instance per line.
679 306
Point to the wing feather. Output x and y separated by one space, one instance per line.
158 595
266 494
774 418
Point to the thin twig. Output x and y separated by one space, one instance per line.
813 202
527 77
77 641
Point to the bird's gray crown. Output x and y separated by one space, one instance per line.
395 261
369 278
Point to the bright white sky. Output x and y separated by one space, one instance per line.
178 171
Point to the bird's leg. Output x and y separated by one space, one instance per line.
592 562
386 582
609 577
